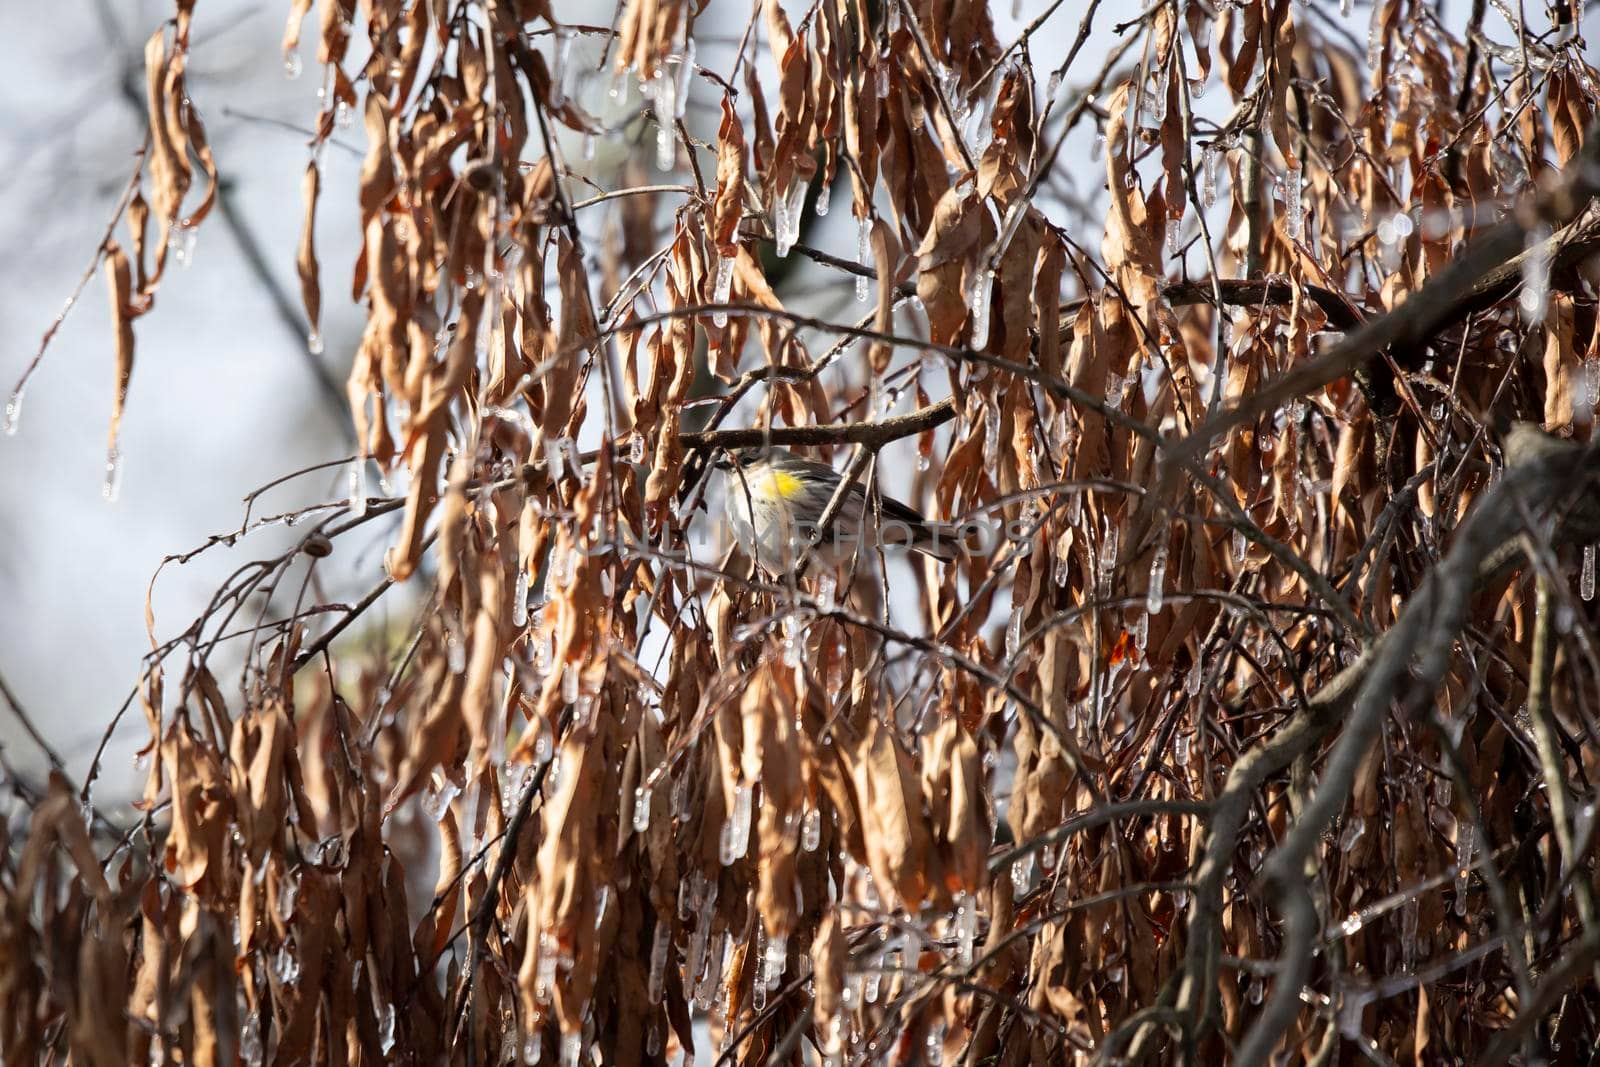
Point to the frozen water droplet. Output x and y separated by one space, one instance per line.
13 411
111 486
314 342
641 810
980 294
811 830
1586 576
292 65
357 478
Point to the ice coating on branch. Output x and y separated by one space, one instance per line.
863 256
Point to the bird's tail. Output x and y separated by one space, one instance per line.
940 540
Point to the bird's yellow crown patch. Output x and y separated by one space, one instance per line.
783 485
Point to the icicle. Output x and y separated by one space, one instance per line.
588 146
13 411
663 98
181 242
1354 828
563 69
251 1050
1180 749
342 116
1153 105
1108 552
641 810
1022 873
519 598
291 65
285 966
1256 991
685 79
991 440
723 288
1191 683
532 1047
1114 389
1014 632
1293 210
735 839
863 256
1208 174
1239 546
935 1045
1534 299
358 486
112 485
980 295
966 928
571 1050
658 961
1466 847
776 960
619 85
811 830
822 204
1174 233
787 224
1155 596
1586 579
436 800
288 890
386 1027
555 458
544 977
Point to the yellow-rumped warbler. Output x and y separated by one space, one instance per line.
775 499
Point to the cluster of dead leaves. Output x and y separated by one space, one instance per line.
666 790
